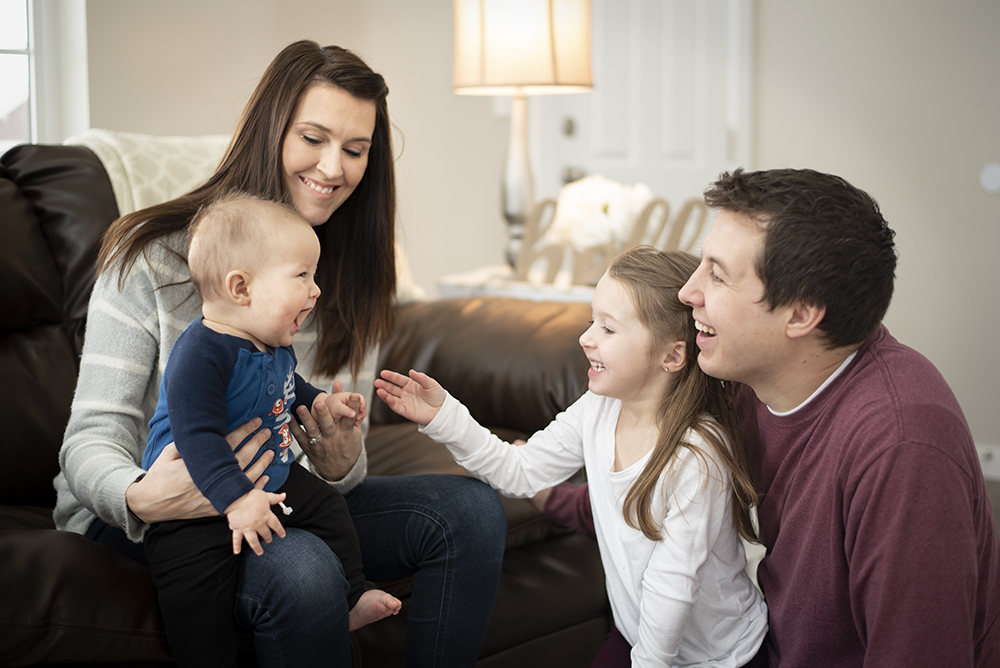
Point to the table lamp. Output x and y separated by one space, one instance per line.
520 48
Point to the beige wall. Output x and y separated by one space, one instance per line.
898 96
902 98
188 66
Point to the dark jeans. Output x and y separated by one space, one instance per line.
448 531
195 571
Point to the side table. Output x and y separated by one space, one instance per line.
496 281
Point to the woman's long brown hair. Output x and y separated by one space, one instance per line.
357 272
695 403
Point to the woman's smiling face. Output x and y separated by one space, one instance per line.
324 153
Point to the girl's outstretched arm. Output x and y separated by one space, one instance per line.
418 397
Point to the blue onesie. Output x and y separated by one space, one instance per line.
214 383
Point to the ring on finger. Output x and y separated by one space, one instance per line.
313 440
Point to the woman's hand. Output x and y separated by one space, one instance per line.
418 397
331 433
167 492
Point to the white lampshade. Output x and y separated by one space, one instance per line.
522 47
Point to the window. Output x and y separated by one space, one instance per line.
44 92
15 63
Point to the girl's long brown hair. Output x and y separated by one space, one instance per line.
357 272
696 402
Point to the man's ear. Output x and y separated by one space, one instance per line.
803 318
237 286
675 357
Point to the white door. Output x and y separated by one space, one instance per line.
671 101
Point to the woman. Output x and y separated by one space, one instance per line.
316 134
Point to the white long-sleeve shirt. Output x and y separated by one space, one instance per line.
685 600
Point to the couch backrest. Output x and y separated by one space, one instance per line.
55 203
514 363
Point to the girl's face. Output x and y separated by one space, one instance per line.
324 153
623 362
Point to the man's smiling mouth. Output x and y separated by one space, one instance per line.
704 329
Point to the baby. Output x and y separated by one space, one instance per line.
253 263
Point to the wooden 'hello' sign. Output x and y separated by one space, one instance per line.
654 226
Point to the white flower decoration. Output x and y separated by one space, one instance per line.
594 211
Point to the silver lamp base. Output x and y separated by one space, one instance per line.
516 187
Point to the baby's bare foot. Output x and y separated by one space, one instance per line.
373 605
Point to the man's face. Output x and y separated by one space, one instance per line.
740 339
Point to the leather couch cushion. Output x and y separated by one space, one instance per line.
96 603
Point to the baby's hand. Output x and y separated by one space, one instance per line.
417 398
348 409
250 516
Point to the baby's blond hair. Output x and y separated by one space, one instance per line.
230 233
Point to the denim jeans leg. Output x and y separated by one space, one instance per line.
448 531
294 597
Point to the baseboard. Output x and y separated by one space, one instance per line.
989 459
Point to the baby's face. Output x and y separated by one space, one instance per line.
283 288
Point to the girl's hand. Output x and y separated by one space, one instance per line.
167 492
332 438
250 516
418 397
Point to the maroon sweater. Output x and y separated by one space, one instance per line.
882 544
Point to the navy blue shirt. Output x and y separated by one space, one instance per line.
214 383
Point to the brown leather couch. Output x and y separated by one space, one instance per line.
67 601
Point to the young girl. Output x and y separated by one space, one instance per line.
670 495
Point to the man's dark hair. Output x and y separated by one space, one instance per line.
825 243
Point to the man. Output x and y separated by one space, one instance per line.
882 546
881 542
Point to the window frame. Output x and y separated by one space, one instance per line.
59 74
58 81
28 52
